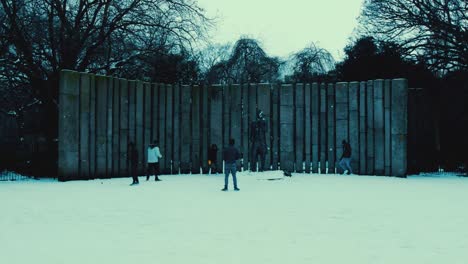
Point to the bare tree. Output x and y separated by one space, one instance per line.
311 62
434 31
39 38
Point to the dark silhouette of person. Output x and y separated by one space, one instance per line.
258 129
345 160
153 161
230 156
132 160
213 157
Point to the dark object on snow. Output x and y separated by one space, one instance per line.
287 173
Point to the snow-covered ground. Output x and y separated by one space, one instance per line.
187 219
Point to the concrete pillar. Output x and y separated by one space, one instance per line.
252 115
162 128
370 128
236 113
132 119
387 126
155 112
245 126
186 129
169 128
315 98
216 118
92 126
264 101
399 124
139 132
379 147
177 129
342 117
84 166
362 129
299 126
275 126
101 126
109 128
69 125
226 115
323 128
123 165
196 148
354 125
307 127
115 128
331 124
205 127
287 127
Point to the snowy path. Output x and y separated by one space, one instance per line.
187 219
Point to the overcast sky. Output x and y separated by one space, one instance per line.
284 27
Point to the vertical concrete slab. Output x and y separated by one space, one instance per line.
155 127
216 118
69 125
315 97
252 115
370 128
245 126
379 143
147 119
387 126
132 117
124 136
101 126
236 113
323 128
92 126
116 129
342 118
275 126
264 103
362 129
331 128
177 131
205 127
162 128
399 124
186 129
84 166
307 127
299 127
109 130
168 162
354 125
196 148
226 115
287 127
139 132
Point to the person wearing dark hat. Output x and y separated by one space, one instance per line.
345 160
230 156
258 129
132 159
153 161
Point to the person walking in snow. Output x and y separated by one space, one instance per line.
345 160
132 160
230 156
153 161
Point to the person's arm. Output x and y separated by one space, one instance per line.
158 153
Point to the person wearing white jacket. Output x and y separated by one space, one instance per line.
153 161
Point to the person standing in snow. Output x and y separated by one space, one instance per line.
230 156
257 138
153 161
132 160
345 160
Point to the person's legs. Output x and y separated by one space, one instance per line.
253 163
262 152
348 165
226 176
148 170
156 171
342 164
234 178
134 173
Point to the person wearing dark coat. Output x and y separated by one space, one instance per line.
213 157
345 160
258 141
230 156
132 159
